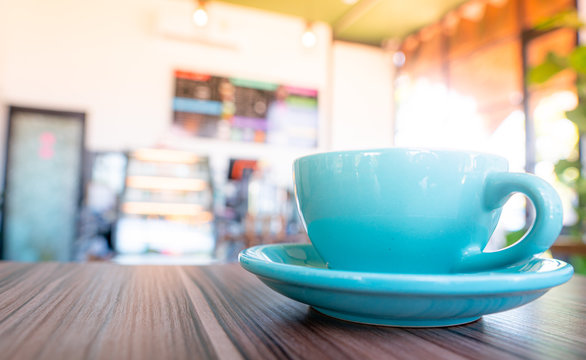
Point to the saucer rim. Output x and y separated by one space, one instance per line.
480 283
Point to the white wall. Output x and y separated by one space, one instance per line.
114 60
362 105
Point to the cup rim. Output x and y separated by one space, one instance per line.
400 149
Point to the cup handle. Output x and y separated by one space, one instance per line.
498 187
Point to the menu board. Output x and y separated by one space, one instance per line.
245 110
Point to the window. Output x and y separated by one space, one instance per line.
463 85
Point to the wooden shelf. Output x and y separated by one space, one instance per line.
166 183
167 203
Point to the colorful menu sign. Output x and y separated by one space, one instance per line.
245 110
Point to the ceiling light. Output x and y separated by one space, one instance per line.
200 15
399 58
349 2
308 39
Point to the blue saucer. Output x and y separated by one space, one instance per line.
414 300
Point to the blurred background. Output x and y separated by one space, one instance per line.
163 131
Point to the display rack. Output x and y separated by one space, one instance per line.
166 205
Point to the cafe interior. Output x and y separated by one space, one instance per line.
164 131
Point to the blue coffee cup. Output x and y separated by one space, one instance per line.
416 210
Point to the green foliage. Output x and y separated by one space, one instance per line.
578 117
514 236
565 19
577 59
555 63
568 171
563 165
552 65
579 264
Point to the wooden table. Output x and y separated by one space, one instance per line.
108 311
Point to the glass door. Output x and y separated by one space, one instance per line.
42 187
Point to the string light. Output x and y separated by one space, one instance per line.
411 42
498 3
473 11
428 32
308 38
200 15
451 21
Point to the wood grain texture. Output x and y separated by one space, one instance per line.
107 311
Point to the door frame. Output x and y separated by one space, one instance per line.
12 110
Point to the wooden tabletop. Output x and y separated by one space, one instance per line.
108 311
